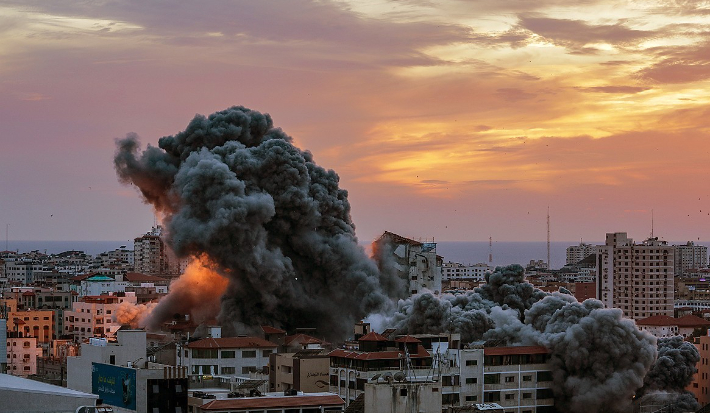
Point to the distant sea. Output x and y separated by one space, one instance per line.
465 252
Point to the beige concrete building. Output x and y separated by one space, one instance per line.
306 370
22 354
153 257
402 397
700 387
414 261
94 316
636 278
690 257
33 323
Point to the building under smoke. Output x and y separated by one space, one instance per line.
264 217
413 262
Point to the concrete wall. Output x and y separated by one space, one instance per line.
402 397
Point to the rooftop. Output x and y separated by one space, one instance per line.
505 351
231 342
275 402
14 383
379 355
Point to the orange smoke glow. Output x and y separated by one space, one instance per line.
196 292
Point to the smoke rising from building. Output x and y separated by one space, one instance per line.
234 188
276 229
669 376
600 358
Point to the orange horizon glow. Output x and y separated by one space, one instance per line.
459 121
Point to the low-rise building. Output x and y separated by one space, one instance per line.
33 323
401 396
22 355
462 272
93 316
663 326
289 402
228 356
120 374
305 370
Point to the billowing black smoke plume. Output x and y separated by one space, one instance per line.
670 375
599 358
234 188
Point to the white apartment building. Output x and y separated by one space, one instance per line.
690 257
101 285
227 356
576 253
517 378
94 316
636 278
413 260
22 353
20 271
470 272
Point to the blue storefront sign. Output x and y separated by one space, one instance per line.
115 385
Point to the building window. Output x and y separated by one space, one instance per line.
491 378
527 395
248 354
471 362
229 370
471 398
471 380
544 376
527 378
510 396
204 353
510 379
266 353
229 354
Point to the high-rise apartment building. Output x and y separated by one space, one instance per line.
576 253
636 278
690 257
414 261
151 255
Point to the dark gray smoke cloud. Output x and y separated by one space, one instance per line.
672 372
275 223
599 358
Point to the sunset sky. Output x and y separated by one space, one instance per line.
457 120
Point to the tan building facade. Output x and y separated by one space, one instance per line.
22 354
636 278
305 371
94 316
33 323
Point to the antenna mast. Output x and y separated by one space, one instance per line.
651 222
490 250
549 266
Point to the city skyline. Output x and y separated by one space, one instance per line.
462 121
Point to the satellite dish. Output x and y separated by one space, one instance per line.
375 377
387 377
399 376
